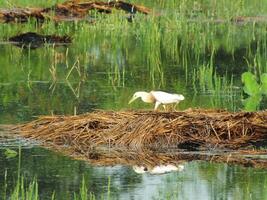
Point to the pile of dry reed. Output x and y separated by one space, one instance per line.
73 10
69 10
146 129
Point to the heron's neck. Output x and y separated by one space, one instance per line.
147 97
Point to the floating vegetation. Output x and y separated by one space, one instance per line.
34 40
145 129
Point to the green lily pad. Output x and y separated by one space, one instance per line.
9 153
251 87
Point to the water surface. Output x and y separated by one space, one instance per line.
199 180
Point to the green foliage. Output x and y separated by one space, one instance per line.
9 153
31 192
83 195
254 89
264 83
112 58
251 87
24 193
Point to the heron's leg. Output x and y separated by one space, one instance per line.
156 105
168 107
175 105
165 107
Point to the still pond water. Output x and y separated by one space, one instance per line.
199 180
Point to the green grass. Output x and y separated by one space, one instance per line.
153 39
30 191
180 49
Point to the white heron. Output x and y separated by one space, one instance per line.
158 97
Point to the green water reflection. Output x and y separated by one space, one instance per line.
199 180
36 83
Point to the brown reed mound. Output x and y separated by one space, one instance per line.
75 10
197 129
68 11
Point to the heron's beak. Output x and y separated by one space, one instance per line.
132 99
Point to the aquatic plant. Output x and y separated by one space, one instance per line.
254 89
207 79
185 40
30 191
10 153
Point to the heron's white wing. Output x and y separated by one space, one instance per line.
164 97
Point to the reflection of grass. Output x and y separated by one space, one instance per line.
151 39
144 55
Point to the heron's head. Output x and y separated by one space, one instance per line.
137 95
180 97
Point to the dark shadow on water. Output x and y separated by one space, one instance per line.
34 40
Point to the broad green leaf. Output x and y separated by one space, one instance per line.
264 83
251 87
9 153
252 103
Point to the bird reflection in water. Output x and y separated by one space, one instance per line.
159 169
